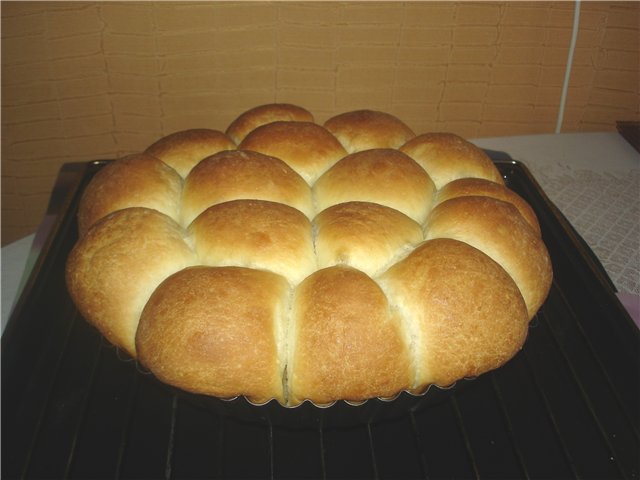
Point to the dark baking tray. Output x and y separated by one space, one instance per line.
630 131
567 406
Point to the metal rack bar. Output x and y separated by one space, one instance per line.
46 400
171 440
595 358
419 444
509 428
465 436
83 412
374 463
128 419
323 460
583 393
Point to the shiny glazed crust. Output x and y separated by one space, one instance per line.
306 147
366 129
137 180
226 342
383 176
183 150
447 157
261 115
294 261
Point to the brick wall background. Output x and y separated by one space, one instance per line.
86 80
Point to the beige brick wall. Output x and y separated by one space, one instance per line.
85 80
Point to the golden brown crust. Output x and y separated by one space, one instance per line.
496 228
479 187
447 157
216 331
383 176
263 114
365 129
306 147
363 235
464 314
243 175
113 269
348 342
256 234
137 180
287 268
184 149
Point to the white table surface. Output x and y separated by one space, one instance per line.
601 152
593 178
13 262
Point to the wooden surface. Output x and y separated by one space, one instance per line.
92 80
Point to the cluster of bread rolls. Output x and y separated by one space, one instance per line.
284 259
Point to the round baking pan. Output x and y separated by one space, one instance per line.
339 414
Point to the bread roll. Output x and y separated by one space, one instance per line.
114 268
306 147
256 234
217 331
447 157
365 129
243 175
137 180
362 235
466 187
383 176
263 114
498 229
184 149
344 340
463 313
289 269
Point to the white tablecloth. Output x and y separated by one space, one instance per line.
593 178
13 262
